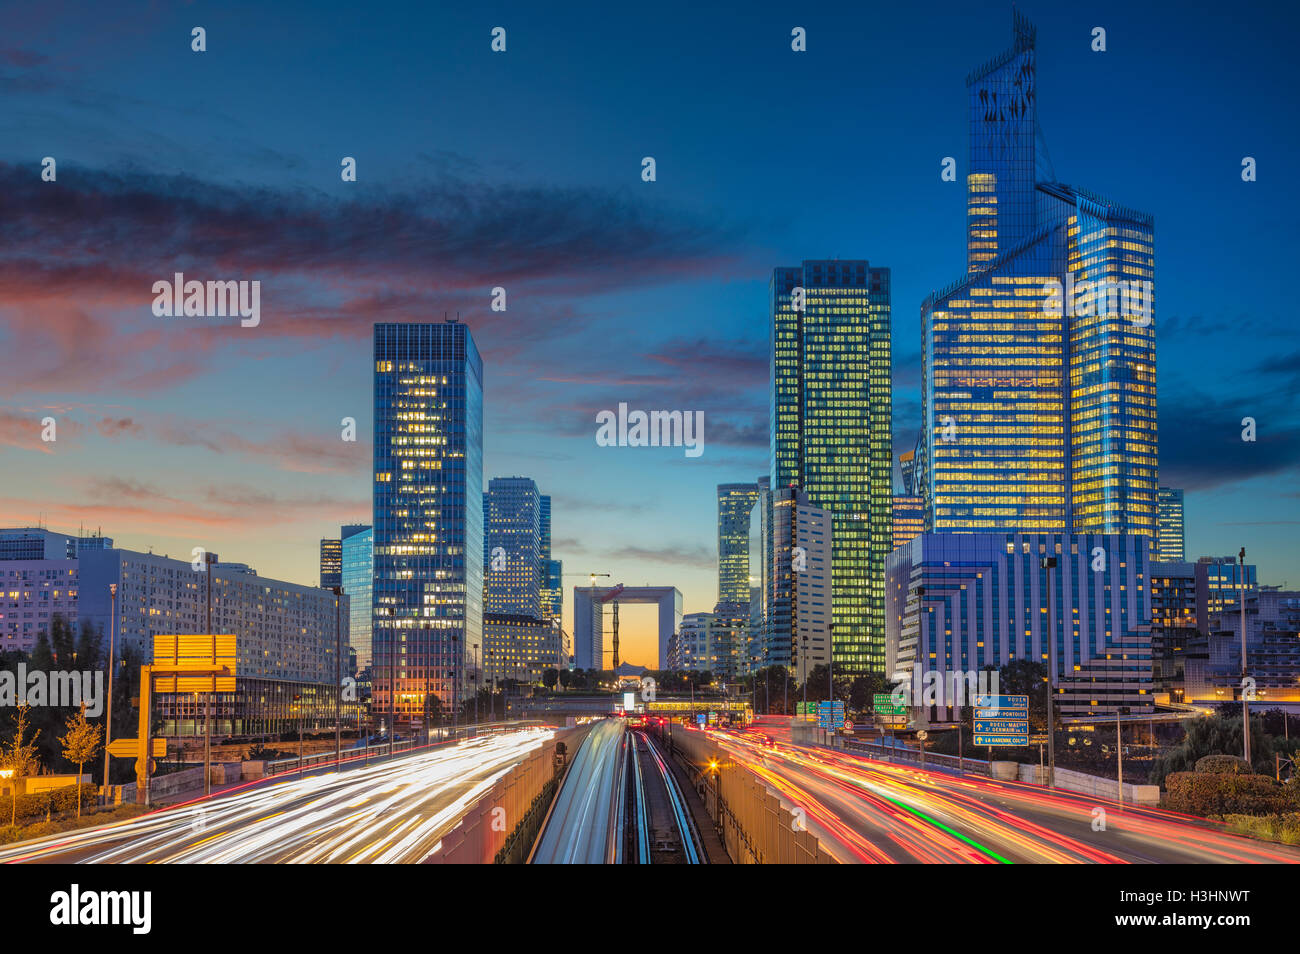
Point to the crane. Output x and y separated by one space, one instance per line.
611 594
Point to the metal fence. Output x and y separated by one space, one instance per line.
896 753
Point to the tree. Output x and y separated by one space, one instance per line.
80 743
550 677
19 757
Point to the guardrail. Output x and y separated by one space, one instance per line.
895 753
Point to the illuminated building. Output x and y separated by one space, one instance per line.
1186 599
735 501
1170 547
909 506
331 563
760 576
958 602
1038 365
801 606
512 547
552 570
428 513
358 579
831 403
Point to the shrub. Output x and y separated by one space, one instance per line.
37 804
1211 793
1283 828
1224 765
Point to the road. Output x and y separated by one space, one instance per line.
388 812
868 811
583 824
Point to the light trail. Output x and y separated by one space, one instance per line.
385 813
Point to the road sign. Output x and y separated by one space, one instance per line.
185 655
882 703
130 748
848 726
1001 739
1001 726
1002 703
830 715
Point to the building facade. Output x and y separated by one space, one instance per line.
831 430
802 600
428 513
512 547
1038 365
32 591
1170 545
331 563
735 502
358 568
960 602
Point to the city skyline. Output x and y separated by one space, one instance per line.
176 433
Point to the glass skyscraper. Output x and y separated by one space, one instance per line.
512 547
735 501
428 512
831 432
358 579
331 556
1038 379
1170 547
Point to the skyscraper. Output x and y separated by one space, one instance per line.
552 570
1170 547
331 562
512 547
428 512
735 501
1038 365
358 580
831 431
801 607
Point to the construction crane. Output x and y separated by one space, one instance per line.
611 594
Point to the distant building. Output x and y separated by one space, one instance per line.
735 501
36 543
760 576
959 602
1169 535
31 593
909 518
801 607
331 563
358 545
728 640
1213 660
512 547
689 650
517 647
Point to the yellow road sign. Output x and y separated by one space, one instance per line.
197 663
130 748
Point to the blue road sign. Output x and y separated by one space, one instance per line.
1002 739
1002 703
1001 726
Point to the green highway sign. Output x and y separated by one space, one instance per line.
882 703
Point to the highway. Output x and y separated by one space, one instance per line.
585 821
388 812
865 810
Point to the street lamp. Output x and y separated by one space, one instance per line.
1245 701
338 676
1048 563
108 724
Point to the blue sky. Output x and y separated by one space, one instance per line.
522 169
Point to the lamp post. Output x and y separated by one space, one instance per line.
1245 701
209 559
297 708
1049 564
338 676
478 684
492 655
108 724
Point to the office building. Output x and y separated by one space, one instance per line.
32 591
1213 659
831 406
1170 547
512 547
959 602
428 513
735 502
1186 600
1038 365
331 563
358 568
801 606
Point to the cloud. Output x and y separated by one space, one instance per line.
695 556
1201 446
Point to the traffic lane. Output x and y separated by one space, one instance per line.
578 830
397 809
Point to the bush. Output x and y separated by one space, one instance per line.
36 804
1224 765
1283 828
1215 794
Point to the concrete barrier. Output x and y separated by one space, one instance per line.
1006 771
1084 784
494 817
